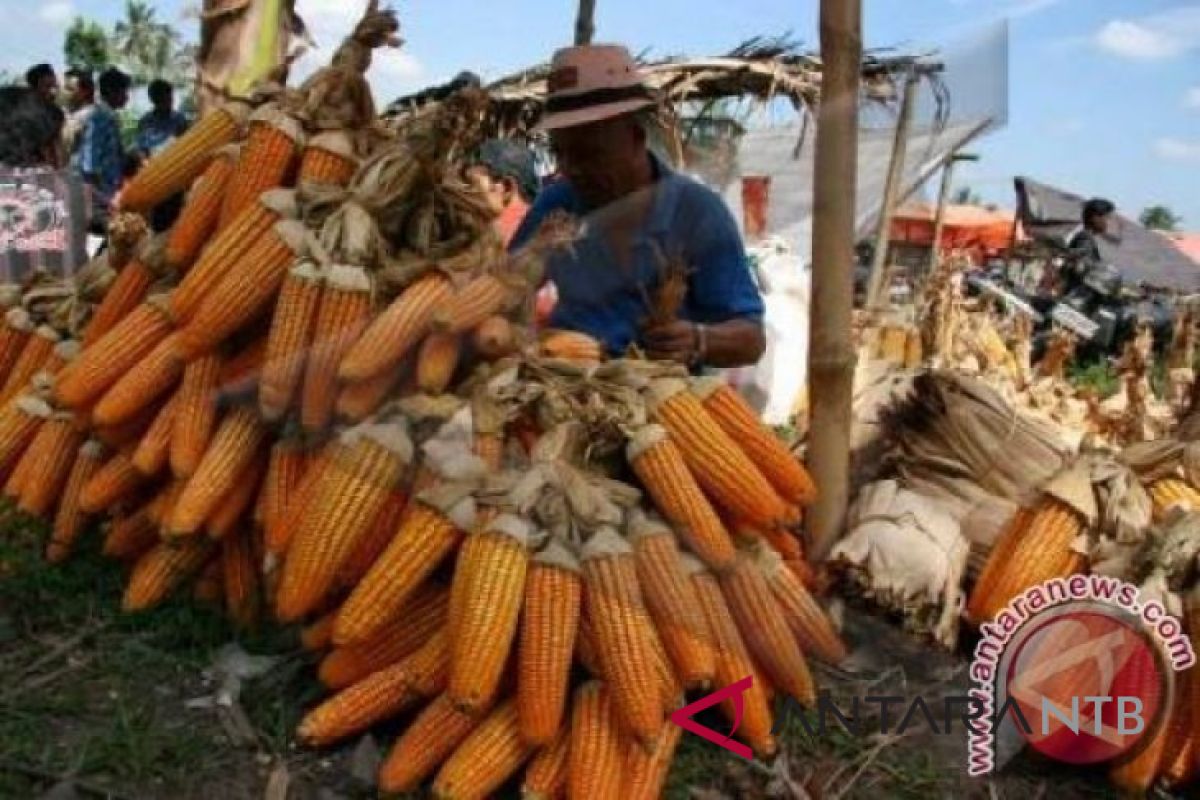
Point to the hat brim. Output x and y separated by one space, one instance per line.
598 113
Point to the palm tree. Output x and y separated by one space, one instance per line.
142 43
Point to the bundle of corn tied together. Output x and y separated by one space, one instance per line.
319 400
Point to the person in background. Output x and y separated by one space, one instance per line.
101 157
1083 247
504 171
27 130
44 84
80 100
162 124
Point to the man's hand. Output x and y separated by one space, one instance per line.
673 341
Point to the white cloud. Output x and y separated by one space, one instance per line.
59 12
1173 149
1154 38
1192 98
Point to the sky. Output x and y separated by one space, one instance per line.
1103 95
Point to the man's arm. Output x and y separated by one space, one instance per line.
734 343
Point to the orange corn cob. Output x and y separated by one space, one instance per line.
661 468
127 434
233 448
291 336
117 480
245 291
241 371
51 457
621 624
741 423
358 401
235 507
809 623
344 313
162 570
145 383
273 142
152 452
432 737
64 353
34 357
175 168
382 695
1135 776
70 520
240 578
319 635
1179 757
733 661
159 509
570 346
198 220
437 360
389 338
14 334
1026 556
495 338
227 249
20 422
426 536
285 473
127 292
716 460
195 415
483 297
760 620
86 379
209 589
493 563
300 503
369 463
420 618
672 602
490 756
130 537
595 760
328 160
368 550
646 772
546 776
553 591
1170 492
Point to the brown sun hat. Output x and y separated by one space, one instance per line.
593 83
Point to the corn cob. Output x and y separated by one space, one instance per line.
86 379
117 480
344 312
546 775
595 761
70 520
570 346
808 621
273 142
240 372
127 434
733 661
660 467
1170 492
760 620
719 465
50 458
20 421
209 588
427 535
162 570
233 448
160 507
175 168
1179 756
37 352
291 335
389 338
672 602
195 415
301 502
236 504
130 537
382 695
64 353
245 291
127 292
1027 556
437 360
285 472
201 212
240 579
370 462
553 592
145 383
358 401
495 338
1135 776
646 772
470 306
228 248
620 624
490 756
492 564
328 160
14 335
368 550
421 617
741 423
432 737
152 452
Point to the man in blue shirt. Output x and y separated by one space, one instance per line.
638 217
162 124
101 158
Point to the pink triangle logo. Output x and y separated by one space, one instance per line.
733 693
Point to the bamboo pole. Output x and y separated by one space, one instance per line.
831 351
877 287
585 27
939 219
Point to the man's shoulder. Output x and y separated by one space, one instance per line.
694 197
555 195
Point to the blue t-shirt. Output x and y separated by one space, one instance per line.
100 154
608 301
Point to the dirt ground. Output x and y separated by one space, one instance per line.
96 704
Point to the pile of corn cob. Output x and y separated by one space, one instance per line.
317 399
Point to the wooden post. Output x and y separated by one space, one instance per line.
831 351
939 219
585 27
877 287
